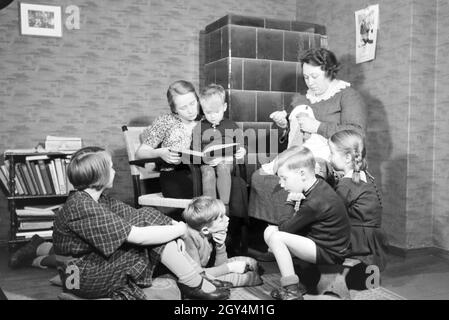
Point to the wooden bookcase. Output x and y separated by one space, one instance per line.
40 195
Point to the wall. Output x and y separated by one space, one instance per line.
441 172
399 87
114 70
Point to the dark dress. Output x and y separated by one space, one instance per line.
322 218
95 234
363 202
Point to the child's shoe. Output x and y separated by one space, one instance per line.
290 292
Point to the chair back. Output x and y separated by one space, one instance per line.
132 141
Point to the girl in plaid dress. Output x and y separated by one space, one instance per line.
115 248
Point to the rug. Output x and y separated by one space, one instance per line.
272 281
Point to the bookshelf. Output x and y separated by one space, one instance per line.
36 185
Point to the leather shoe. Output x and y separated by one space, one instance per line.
26 254
196 293
216 282
290 292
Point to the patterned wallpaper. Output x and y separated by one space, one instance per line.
399 87
114 70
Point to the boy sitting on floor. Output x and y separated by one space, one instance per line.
319 230
205 242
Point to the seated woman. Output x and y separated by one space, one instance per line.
335 105
116 248
173 131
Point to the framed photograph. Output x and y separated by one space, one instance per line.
40 20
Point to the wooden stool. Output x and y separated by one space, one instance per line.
333 278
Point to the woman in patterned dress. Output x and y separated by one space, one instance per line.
173 131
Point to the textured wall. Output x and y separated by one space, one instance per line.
114 70
441 173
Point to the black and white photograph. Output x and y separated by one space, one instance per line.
219 157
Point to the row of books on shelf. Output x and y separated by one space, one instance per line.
35 219
38 175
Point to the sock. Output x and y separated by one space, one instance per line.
37 262
289 280
177 263
44 249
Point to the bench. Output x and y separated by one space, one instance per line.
333 278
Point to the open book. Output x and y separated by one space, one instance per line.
209 153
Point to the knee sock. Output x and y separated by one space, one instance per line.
44 249
177 263
289 280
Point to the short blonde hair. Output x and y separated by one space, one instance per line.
202 211
213 90
89 168
301 157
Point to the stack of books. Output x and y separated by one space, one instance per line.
36 220
38 175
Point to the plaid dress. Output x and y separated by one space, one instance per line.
95 234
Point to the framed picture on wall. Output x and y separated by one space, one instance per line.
40 20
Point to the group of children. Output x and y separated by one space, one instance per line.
116 248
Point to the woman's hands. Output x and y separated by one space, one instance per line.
280 118
169 156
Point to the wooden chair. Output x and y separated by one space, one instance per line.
145 170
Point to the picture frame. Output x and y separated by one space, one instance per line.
40 20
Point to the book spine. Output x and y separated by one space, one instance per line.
28 179
18 187
34 178
69 185
21 179
35 225
45 171
54 177
4 182
39 177
61 175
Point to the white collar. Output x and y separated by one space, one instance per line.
362 175
334 87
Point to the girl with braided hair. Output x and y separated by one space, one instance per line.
361 197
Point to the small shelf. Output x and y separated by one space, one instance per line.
37 172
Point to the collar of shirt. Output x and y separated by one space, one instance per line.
308 191
362 175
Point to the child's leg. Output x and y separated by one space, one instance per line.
284 243
209 181
177 263
224 182
249 278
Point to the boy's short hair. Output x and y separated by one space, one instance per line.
89 168
202 211
301 157
213 90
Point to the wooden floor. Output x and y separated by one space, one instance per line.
422 276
